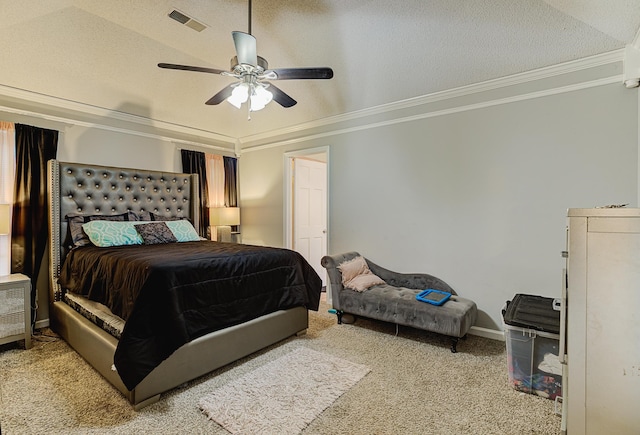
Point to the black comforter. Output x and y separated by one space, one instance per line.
170 294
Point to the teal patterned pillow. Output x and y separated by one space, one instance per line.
183 230
78 237
112 233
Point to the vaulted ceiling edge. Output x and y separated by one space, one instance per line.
43 106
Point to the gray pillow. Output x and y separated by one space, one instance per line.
158 217
144 216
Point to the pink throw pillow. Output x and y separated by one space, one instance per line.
357 276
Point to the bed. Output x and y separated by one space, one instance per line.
165 327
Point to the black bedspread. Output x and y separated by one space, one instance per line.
170 294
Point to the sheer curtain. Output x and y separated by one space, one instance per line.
215 178
7 176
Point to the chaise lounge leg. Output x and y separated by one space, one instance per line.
454 345
338 313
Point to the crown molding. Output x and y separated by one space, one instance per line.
69 121
458 109
512 80
74 106
236 144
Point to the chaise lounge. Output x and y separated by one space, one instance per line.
392 297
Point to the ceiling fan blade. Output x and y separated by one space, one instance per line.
190 68
220 96
302 73
280 97
245 48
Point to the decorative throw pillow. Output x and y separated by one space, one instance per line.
183 230
362 282
111 233
357 276
75 221
352 268
155 233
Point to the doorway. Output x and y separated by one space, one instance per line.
306 209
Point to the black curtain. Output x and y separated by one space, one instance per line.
194 162
34 147
230 181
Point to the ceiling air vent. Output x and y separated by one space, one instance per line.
186 20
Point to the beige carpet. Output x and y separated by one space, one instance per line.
283 396
416 386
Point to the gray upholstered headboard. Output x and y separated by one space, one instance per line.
102 190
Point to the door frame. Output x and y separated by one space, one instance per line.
288 191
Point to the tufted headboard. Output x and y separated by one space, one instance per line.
102 190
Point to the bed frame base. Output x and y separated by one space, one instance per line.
213 350
150 401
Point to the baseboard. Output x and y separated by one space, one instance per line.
487 333
42 324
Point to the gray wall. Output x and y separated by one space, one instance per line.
108 148
477 198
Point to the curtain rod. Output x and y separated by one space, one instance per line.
228 153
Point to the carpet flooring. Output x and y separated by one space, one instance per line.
415 386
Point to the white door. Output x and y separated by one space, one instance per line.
310 211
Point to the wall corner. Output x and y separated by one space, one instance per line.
631 74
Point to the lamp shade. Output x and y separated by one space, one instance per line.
224 216
5 218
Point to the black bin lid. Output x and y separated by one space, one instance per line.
534 312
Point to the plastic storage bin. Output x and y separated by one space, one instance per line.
532 351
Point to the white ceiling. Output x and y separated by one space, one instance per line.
104 53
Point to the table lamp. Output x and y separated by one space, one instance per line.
223 218
5 228
5 221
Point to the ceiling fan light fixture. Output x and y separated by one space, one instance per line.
260 97
239 95
254 92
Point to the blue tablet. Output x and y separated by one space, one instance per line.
434 297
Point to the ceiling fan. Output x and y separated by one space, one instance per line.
252 73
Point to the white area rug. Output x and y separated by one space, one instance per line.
283 396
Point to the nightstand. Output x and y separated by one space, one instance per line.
15 309
236 237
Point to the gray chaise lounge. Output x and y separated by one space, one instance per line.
396 301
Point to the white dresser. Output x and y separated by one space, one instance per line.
15 309
602 388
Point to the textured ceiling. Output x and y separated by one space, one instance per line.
104 53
